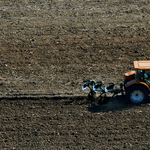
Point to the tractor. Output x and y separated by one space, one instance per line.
136 84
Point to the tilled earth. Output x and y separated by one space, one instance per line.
47 49
63 123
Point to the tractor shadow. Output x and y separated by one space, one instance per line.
111 104
96 105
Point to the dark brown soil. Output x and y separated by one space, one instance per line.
47 49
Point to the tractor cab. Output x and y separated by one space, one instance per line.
142 70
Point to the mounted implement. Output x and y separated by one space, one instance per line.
136 84
97 87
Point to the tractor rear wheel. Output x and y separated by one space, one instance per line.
137 94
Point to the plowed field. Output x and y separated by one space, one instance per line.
47 48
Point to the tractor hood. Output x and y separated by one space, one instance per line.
129 75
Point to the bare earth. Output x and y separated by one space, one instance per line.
47 48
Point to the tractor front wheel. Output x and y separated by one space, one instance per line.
137 94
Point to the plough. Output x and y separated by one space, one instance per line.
97 87
136 84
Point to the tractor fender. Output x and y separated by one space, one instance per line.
134 82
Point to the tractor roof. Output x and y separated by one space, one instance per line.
142 65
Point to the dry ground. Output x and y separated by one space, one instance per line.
47 49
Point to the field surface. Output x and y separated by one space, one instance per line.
47 48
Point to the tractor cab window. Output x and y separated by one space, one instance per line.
142 74
147 74
139 74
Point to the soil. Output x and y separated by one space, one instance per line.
47 49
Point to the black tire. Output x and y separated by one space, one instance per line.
136 94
